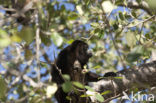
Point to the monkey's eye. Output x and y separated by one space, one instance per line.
85 47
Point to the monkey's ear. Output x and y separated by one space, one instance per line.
110 74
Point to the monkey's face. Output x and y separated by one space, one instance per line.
82 51
86 50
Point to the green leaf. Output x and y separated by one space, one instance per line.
85 95
97 67
62 8
134 13
101 34
97 30
69 41
138 1
45 39
118 77
131 57
107 6
35 98
28 54
138 49
121 16
118 2
136 53
152 4
27 34
89 88
66 77
106 92
57 39
4 39
94 24
79 9
3 88
131 39
73 16
99 97
115 26
147 36
16 38
148 44
68 98
84 20
67 86
78 84
99 78
87 2
127 16
20 90
51 89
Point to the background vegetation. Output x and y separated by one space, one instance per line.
121 33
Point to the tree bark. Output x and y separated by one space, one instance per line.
141 77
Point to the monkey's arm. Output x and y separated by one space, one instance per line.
91 77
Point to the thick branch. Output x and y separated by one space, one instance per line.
134 5
142 77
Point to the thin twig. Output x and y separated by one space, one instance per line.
37 46
87 39
140 32
114 97
142 21
113 86
53 64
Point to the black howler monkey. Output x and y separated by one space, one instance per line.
71 61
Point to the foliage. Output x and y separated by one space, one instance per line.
119 35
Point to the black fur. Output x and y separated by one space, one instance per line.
110 74
77 51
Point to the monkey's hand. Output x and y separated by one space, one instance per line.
110 74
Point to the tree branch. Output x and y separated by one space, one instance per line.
142 77
134 5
